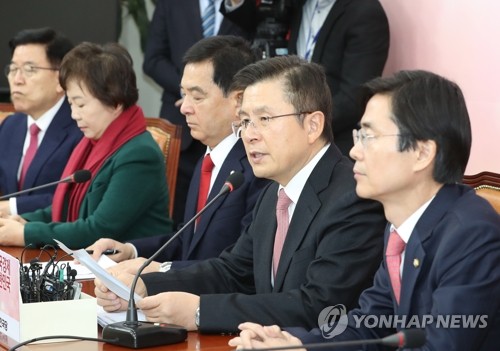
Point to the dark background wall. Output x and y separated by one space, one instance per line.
91 20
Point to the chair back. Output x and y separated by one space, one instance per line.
487 185
168 137
6 108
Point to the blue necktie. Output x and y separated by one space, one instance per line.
208 19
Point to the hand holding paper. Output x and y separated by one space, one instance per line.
113 284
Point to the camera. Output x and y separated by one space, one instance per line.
270 37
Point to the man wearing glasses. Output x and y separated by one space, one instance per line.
440 270
37 140
311 243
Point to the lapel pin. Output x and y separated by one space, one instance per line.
416 262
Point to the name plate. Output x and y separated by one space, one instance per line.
9 296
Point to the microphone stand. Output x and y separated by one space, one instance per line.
135 334
65 180
80 176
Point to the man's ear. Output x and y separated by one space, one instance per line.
314 123
237 97
59 88
425 154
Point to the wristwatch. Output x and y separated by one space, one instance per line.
197 317
165 266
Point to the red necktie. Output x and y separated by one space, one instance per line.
206 173
30 153
283 223
395 248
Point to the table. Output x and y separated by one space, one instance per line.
194 342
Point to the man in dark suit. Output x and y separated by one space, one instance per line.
175 27
38 99
209 108
274 274
349 38
411 153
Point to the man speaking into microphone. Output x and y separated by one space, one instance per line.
311 242
440 269
127 195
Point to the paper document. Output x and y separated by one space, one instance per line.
107 279
83 273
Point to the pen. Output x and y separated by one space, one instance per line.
105 252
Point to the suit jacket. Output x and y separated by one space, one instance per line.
128 198
175 27
332 249
220 225
451 267
52 155
352 46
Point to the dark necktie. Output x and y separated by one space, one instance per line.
30 153
395 247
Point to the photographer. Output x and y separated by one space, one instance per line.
349 38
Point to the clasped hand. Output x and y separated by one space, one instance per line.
12 230
253 336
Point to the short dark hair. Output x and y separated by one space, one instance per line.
228 55
56 45
304 85
426 106
106 70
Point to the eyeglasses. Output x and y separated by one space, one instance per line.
360 135
27 70
260 123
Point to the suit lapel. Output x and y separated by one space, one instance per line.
189 10
304 213
415 253
55 135
414 259
231 163
14 157
190 209
265 227
335 12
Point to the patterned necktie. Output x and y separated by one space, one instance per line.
206 174
208 20
283 223
30 153
395 248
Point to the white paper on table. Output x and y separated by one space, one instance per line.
107 279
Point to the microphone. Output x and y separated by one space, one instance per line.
409 338
134 334
80 176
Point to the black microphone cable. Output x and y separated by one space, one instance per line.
50 337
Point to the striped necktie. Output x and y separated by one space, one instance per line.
208 20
